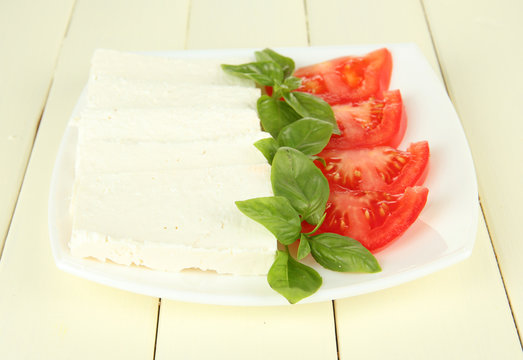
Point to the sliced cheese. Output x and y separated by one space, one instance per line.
172 221
115 93
148 67
131 156
167 124
165 148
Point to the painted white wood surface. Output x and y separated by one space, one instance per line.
31 34
369 22
399 317
246 24
479 45
460 312
45 313
237 332
192 331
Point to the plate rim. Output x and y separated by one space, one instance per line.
79 267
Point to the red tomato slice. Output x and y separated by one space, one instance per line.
349 78
370 123
374 218
380 168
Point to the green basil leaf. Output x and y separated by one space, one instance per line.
308 105
341 253
308 135
304 248
292 279
286 63
268 148
320 159
292 83
276 214
294 176
266 73
275 114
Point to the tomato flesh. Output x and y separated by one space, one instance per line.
381 168
370 123
374 193
374 218
348 78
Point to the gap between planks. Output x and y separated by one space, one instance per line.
335 328
500 273
307 25
6 234
37 127
157 326
479 197
187 25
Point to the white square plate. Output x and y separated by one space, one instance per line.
443 234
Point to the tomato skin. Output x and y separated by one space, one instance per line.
379 168
370 123
348 78
374 188
374 218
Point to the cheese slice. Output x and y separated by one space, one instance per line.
165 148
115 93
166 124
131 156
173 221
148 67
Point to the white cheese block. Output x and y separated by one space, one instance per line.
131 156
205 71
115 93
167 124
173 221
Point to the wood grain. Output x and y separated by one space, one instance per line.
192 331
402 315
31 34
45 313
479 45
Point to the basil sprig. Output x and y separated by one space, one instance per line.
301 126
294 176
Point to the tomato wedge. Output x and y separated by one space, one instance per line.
370 123
348 78
374 218
381 168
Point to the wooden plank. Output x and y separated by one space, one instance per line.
458 313
246 24
192 331
405 321
369 22
30 37
301 332
46 313
479 45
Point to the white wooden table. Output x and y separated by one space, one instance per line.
471 310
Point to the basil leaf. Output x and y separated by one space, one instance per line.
286 63
308 135
341 253
294 176
289 84
292 83
304 248
268 148
276 214
292 279
275 114
266 73
320 159
308 105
